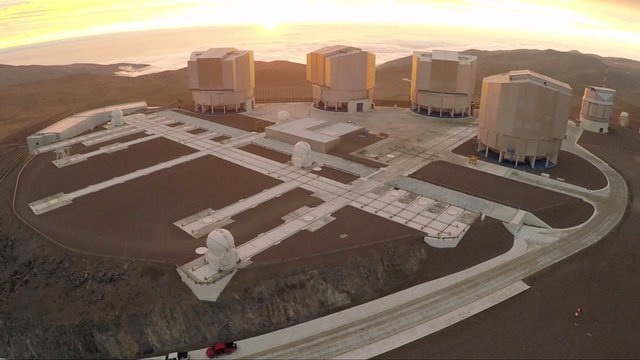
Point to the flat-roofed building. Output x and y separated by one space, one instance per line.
342 78
321 135
222 78
442 83
597 108
76 124
523 116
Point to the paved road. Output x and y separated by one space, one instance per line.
610 205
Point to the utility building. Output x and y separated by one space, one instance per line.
222 78
76 124
342 78
597 108
523 116
442 83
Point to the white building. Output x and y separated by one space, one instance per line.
442 83
342 78
222 78
597 108
78 123
320 135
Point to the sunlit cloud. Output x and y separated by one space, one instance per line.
28 22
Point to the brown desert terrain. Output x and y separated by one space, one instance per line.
539 323
141 210
79 305
556 209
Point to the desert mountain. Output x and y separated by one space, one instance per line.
57 91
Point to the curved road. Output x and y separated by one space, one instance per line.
610 204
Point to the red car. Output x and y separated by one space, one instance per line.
221 349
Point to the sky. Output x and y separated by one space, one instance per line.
606 27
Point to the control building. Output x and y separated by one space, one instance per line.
76 124
342 78
523 116
597 108
222 78
442 83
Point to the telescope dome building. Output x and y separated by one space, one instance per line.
223 79
442 83
597 109
342 78
523 116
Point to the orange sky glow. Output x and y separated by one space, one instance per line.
613 22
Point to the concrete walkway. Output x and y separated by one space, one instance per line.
365 330
492 209
73 159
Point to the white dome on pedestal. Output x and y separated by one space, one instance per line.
222 254
301 156
220 241
117 117
283 115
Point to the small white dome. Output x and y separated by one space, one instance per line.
117 118
116 113
220 241
301 156
283 115
302 146
624 119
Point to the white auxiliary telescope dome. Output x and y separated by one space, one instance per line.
283 115
624 119
117 118
301 156
222 254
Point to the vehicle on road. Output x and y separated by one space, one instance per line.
181 355
221 349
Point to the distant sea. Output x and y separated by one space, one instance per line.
169 49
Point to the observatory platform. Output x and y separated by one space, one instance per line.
185 176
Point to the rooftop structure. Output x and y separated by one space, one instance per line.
222 78
523 116
342 78
76 124
442 83
597 108
321 135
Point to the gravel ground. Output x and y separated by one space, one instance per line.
282 158
355 229
95 169
539 322
135 219
556 209
237 121
268 215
